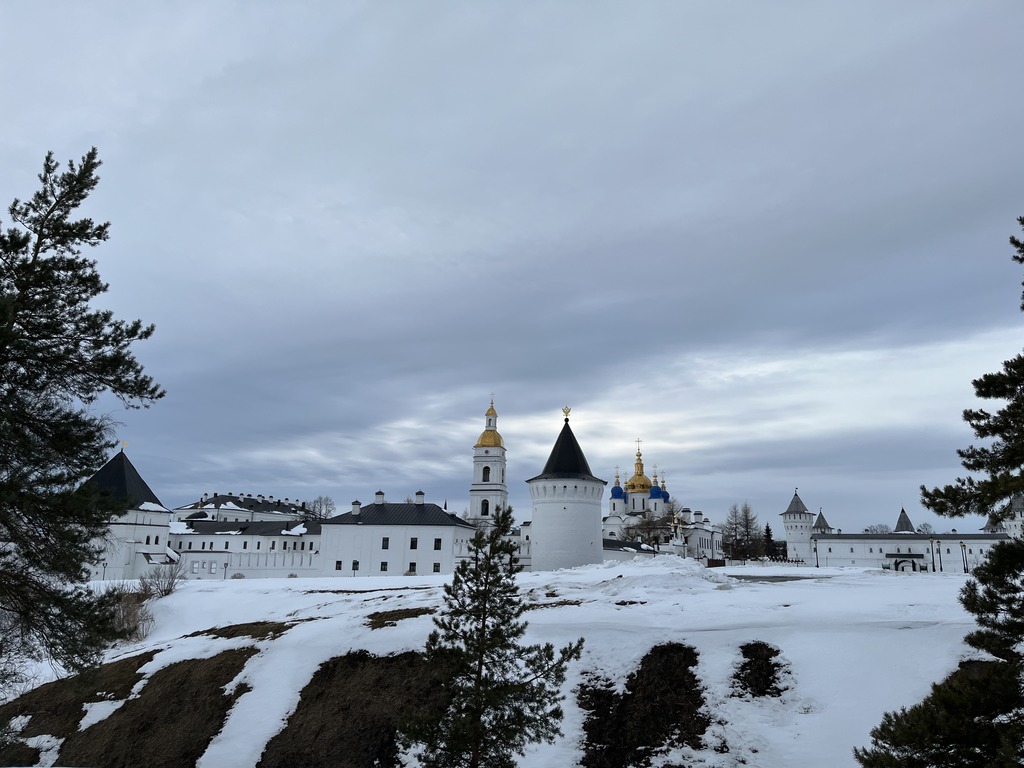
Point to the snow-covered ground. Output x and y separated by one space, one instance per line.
858 642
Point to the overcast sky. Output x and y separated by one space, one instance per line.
768 239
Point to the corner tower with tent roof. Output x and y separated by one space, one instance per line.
488 490
799 524
566 499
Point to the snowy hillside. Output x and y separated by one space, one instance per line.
858 643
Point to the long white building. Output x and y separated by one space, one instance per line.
810 538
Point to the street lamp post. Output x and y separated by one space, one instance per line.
933 555
816 555
963 554
940 557
104 564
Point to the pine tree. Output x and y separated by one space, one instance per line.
976 716
57 355
995 596
1000 460
501 695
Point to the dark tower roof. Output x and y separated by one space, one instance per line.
120 479
903 524
821 524
566 461
796 505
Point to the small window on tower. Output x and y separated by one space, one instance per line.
485 508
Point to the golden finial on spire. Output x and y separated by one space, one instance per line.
565 412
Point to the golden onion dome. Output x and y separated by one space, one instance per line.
639 481
489 438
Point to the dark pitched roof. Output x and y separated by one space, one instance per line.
903 524
796 505
567 461
248 501
122 481
261 528
399 513
821 523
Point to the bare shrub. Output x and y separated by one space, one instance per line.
132 618
162 580
237 575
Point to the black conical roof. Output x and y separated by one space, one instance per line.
567 461
120 479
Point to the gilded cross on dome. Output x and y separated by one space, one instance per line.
565 412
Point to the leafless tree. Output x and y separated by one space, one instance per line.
320 508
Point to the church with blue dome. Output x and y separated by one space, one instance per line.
641 495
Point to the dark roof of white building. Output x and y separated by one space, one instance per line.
248 528
399 513
258 503
119 478
821 523
567 461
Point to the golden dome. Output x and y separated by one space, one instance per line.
489 438
639 481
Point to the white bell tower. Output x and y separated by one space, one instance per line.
488 491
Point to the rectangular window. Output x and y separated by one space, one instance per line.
258 544
383 567
180 545
284 545
337 565
413 542
385 542
213 566
225 545
195 567
355 565
202 545
273 545
245 545
190 545
412 567
437 567
437 544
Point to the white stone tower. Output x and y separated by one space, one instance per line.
488 491
566 497
798 522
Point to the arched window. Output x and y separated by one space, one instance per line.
487 474
157 540
485 508
147 539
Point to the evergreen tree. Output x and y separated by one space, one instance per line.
1000 460
57 355
768 541
962 723
976 716
995 596
501 695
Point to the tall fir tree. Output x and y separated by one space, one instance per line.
57 355
501 695
976 716
998 463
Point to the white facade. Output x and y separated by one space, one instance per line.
210 550
566 498
383 539
137 541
